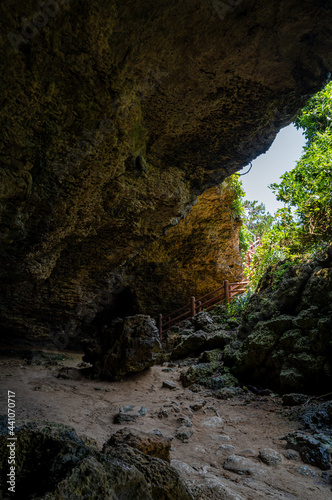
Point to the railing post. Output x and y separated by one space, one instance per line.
160 326
226 289
199 306
193 306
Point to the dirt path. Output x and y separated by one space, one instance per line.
241 426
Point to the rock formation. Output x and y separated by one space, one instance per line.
288 325
115 116
194 258
56 463
126 346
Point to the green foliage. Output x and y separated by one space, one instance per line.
238 211
237 305
303 227
258 221
316 116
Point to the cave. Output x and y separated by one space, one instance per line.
123 122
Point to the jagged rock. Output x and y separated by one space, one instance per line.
130 345
203 321
198 405
210 356
189 345
211 375
307 471
241 465
294 399
292 455
163 481
227 392
200 341
184 420
148 443
311 450
317 418
270 457
184 433
55 463
129 414
82 193
287 326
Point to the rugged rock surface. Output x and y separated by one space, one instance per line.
148 443
288 326
55 463
129 345
115 116
194 258
311 450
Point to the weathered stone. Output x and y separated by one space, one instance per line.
168 384
130 345
292 455
55 463
148 443
225 449
294 399
198 405
211 375
307 471
288 324
202 321
270 457
184 433
311 450
214 488
212 422
84 191
190 345
241 465
129 414
162 479
185 421
227 392
210 356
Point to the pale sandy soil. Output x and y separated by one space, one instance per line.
249 424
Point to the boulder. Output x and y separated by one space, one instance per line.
286 328
203 321
270 457
212 375
150 444
55 463
294 399
242 465
201 341
311 450
130 345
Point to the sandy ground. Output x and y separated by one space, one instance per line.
244 425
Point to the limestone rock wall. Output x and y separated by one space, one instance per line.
194 258
115 115
288 325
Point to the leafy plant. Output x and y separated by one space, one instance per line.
303 227
236 307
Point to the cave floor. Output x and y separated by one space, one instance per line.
50 388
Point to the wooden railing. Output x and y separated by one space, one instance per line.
222 294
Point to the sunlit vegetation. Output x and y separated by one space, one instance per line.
303 228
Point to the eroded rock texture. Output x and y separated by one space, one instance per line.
115 115
55 463
288 326
194 258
